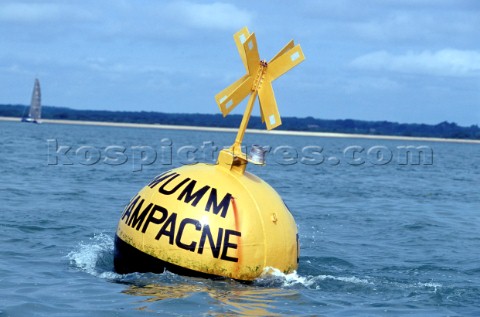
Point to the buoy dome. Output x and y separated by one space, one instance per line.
217 220
206 220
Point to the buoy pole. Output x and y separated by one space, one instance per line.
237 146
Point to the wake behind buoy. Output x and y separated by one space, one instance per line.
217 220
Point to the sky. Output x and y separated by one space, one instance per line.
408 61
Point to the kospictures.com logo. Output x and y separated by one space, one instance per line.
168 154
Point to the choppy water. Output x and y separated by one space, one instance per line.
383 238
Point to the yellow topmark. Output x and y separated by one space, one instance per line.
216 220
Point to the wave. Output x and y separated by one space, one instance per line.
95 257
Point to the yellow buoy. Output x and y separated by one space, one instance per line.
216 220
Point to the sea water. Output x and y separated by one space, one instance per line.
383 232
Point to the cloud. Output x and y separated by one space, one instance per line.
215 15
396 22
397 26
446 62
368 84
39 12
22 12
103 66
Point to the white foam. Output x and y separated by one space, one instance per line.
289 279
89 255
308 281
435 286
350 279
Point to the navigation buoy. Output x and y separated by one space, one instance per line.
217 220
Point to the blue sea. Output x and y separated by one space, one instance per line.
386 228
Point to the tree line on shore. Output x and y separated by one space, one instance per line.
441 130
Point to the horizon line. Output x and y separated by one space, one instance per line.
254 131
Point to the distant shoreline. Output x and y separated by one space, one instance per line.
257 131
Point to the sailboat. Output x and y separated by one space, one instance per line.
35 111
